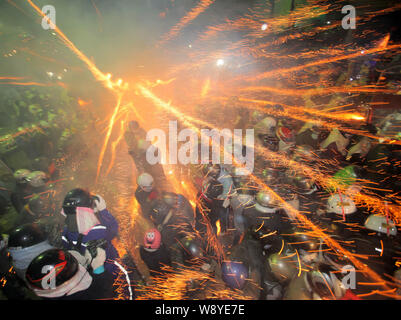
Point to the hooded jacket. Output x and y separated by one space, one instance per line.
107 229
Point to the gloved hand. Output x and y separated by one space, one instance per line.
98 262
96 250
226 202
100 204
82 260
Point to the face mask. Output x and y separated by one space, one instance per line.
23 257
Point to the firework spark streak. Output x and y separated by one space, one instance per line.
190 16
280 72
106 141
100 76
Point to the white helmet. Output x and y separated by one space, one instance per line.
145 181
379 224
269 122
37 179
337 204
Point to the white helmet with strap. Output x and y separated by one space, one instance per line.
381 224
145 182
340 204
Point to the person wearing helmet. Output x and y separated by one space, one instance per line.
308 135
211 171
188 252
90 229
173 216
135 137
265 136
243 197
243 268
383 155
234 274
145 193
335 145
358 150
376 251
389 127
39 204
287 139
22 189
265 211
221 175
87 219
280 266
381 225
266 126
13 287
57 274
308 194
37 180
304 242
154 253
207 206
320 283
25 243
345 177
34 210
342 214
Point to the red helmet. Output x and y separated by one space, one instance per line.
152 239
285 134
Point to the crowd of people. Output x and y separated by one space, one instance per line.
329 177
243 234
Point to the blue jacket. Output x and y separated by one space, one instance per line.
107 230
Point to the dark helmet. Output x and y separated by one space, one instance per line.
77 198
211 170
323 281
26 235
37 205
369 128
160 210
192 248
54 264
234 274
212 189
269 175
304 185
269 242
301 239
333 256
170 198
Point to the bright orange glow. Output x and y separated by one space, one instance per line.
205 87
218 227
83 103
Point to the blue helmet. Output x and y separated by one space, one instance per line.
234 274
